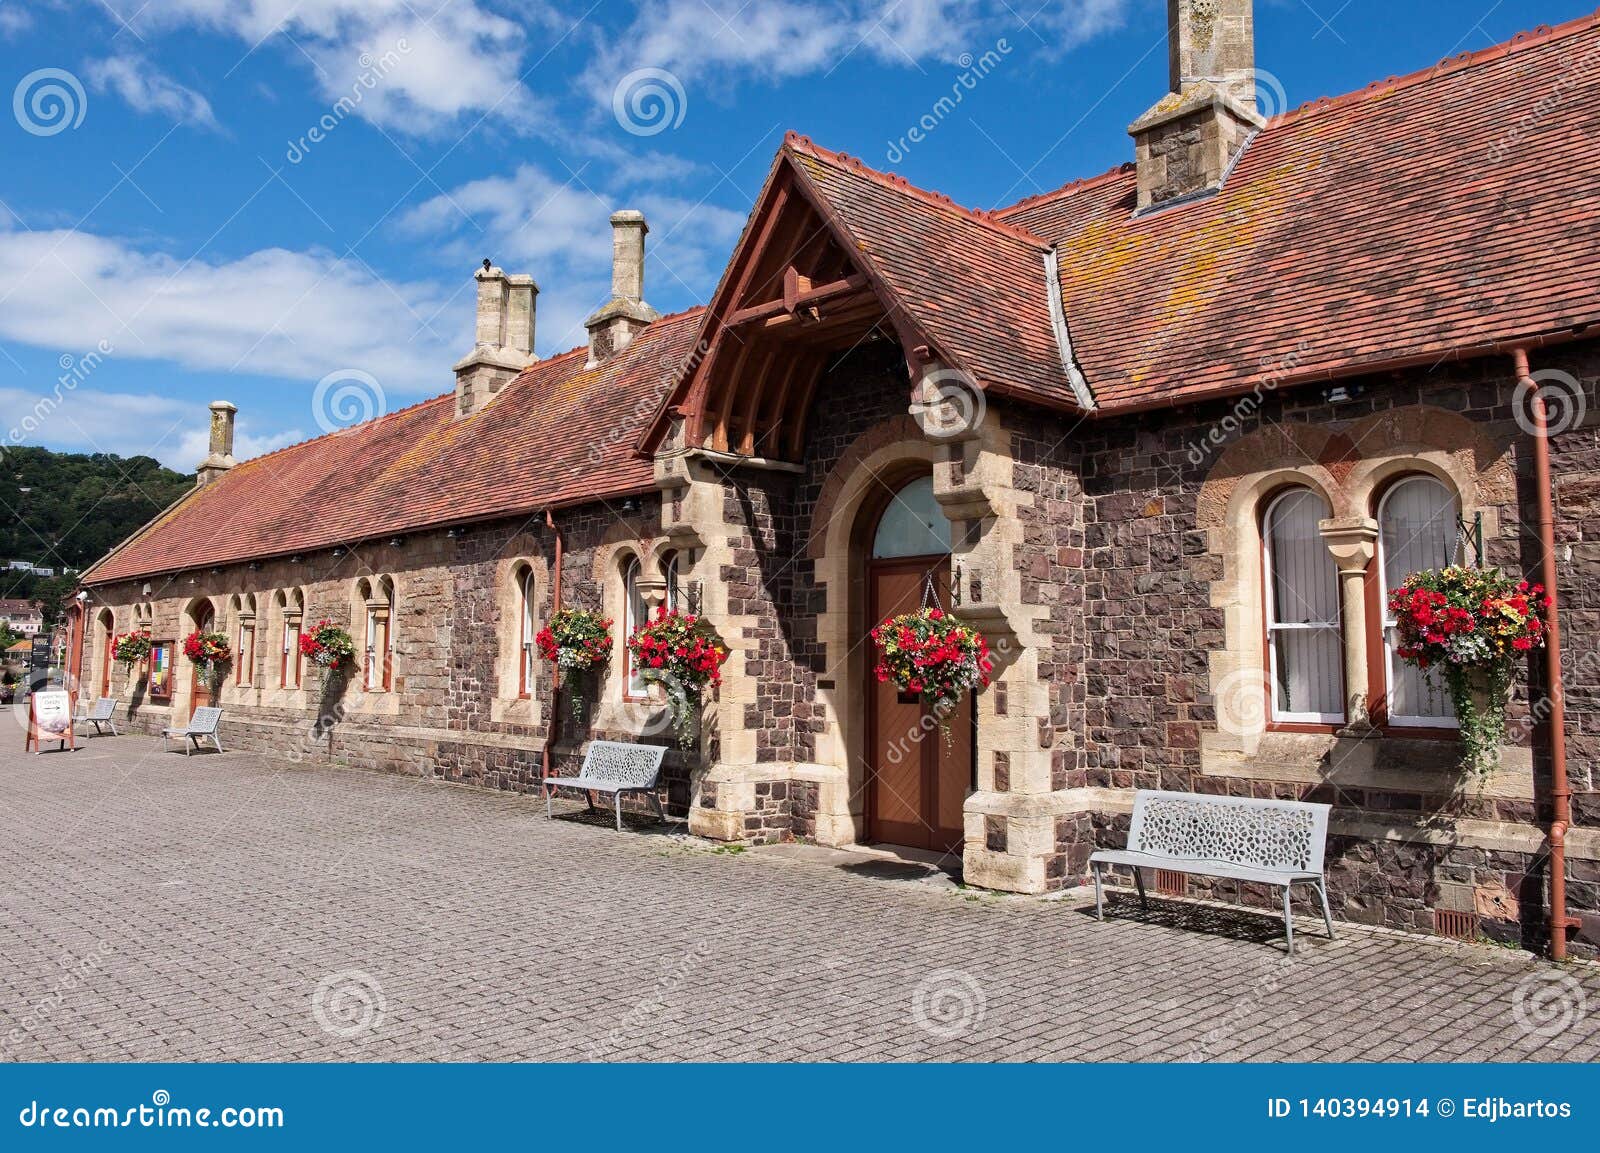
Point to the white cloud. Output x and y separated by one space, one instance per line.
128 424
272 312
557 227
14 18
781 39
146 88
452 61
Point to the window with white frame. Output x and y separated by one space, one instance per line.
1416 530
377 667
1305 653
526 654
674 581
634 614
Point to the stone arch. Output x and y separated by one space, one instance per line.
860 482
1349 468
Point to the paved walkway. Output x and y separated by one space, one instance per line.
219 907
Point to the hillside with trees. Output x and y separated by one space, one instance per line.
68 509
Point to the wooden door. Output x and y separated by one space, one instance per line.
199 693
918 779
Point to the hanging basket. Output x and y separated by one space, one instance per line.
932 654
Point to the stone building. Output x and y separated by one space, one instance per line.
1165 435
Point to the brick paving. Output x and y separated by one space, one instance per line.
225 908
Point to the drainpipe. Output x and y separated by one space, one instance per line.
555 676
1560 788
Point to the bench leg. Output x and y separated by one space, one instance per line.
549 806
617 796
1138 879
655 803
1288 920
1327 917
1099 897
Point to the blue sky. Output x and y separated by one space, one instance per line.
171 232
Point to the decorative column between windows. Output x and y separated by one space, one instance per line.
1353 542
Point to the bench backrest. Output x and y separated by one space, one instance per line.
623 763
103 709
1286 835
205 720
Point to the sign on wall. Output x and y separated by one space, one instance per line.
50 719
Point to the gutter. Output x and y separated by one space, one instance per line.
1560 787
555 678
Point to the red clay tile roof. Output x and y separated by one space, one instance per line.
974 285
1457 207
558 434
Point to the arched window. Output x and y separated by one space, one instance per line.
525 594
913 524
244 650
670 571
377 596
291 617
1416 530
1304 654
633 615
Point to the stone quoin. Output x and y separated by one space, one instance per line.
1164 436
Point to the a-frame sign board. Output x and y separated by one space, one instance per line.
50 719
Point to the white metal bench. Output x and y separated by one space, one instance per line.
102 714
614 767
1267 842
203 724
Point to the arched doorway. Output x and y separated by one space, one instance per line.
205 621
917 780
105 632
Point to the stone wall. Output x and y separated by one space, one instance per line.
1408 837
454 712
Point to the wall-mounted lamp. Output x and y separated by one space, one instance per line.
295 559
396 541
255 566
338 552
454 534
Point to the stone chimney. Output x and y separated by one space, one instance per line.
1185 145
614 324
219 459
502 341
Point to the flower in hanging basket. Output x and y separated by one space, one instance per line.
681 653
129 648
931 653
576 641
211 652
1474 625
327 646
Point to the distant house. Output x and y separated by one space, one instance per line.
30 567
22 617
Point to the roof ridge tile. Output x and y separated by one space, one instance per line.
797 142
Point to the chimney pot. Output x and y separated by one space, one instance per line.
503 336
1187 142
219 458
613 326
